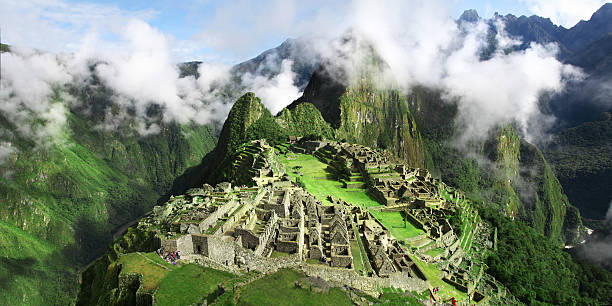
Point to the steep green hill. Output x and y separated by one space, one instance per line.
61 204
249 120
517 179
304 120
582 157
363 112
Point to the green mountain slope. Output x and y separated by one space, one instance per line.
60 205
364 113
582 157
249 120
517 179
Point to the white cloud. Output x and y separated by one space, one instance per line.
418 39
564 12
505 88
56 25
425 46
276 92
26 93
137 67
410 35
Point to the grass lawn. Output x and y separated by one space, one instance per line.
395 223
357 258
434 252
317 183
189 284
391 296
152 271
366 266
279 289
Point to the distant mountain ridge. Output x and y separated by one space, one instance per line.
583 109
543 31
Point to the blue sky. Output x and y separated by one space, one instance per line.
185 18
226 31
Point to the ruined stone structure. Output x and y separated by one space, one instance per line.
277 224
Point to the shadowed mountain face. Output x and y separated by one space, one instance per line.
324 92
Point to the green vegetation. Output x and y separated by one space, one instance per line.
537 271
582 160
380 118
279 289
152 271
62 203
521 182
30 268
358 258
190 284
433 275
248 120
392 296
305 120
434 252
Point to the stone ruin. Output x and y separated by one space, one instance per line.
425 202
250 227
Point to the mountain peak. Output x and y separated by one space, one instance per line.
470 15
604 12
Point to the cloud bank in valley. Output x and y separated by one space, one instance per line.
27 98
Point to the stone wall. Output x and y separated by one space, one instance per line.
248 260
370 285
200 244
268 231
184 245
211 220
287 246
221 251
212 247
248 238
169 245
232 220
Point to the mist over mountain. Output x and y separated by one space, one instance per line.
513 111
